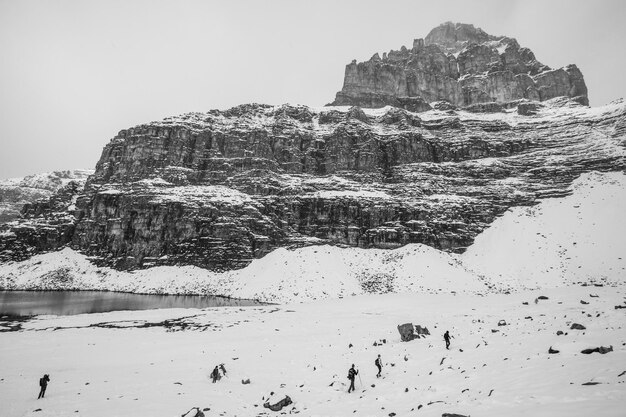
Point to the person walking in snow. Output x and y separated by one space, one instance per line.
446 337
215 374
223 369
43 383
352 373
379 364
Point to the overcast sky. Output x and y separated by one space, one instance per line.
75 72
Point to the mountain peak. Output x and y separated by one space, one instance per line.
461 64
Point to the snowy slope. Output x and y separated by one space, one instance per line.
310 273
579 238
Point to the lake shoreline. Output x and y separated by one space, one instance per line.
29 303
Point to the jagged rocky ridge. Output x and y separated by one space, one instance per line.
218 189
462 65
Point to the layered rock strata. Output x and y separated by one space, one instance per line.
460 64
219 189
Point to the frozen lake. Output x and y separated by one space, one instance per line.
26 303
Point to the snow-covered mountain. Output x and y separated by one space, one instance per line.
16 192
222 189
219 189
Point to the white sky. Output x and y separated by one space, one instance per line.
75 72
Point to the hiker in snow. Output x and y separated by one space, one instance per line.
223 369
194 412
215 374
446 337
351 374
379 364
43 383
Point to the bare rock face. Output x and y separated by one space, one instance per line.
219 189
460 64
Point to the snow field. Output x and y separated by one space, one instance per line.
302 349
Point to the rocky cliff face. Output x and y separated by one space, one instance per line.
460 64
218 189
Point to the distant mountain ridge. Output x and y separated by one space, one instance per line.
16 192
461 64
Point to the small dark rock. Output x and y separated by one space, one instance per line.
576 326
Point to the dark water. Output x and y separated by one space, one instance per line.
27 303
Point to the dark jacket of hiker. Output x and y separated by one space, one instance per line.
379 365
352 373
43 383
215 374
446 337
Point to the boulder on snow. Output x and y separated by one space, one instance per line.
552 350
409 332
576 326
422 330
502 323
452 415
600 349
406 331
276 405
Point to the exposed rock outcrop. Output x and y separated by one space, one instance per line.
460 64
219 189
